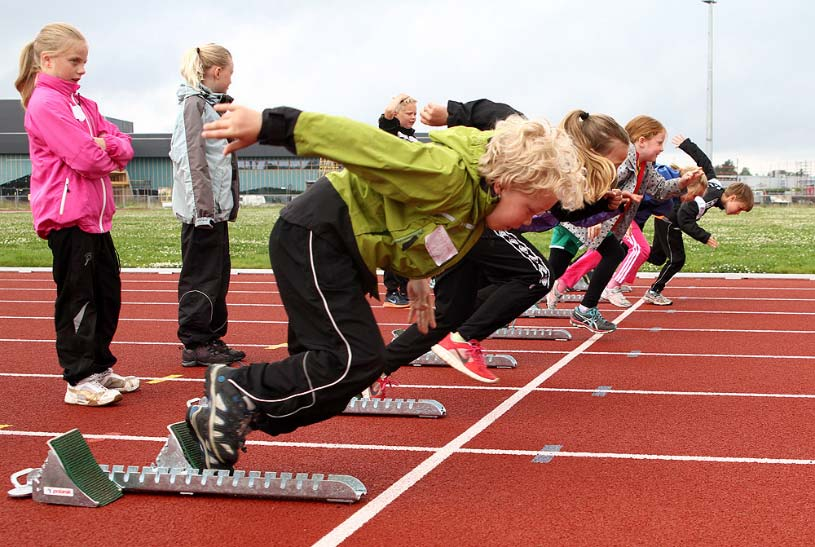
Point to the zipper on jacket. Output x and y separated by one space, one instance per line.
102 180
64 196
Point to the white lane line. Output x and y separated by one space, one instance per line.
495 388
422 449
503 350
379 503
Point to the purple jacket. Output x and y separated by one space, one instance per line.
69 171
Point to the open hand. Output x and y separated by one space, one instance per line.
421 305
678 139
238 123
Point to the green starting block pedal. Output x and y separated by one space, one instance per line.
531 333
69 476
421 408
181 450
535 311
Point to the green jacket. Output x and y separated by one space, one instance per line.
399 192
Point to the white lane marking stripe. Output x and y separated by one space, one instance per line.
477 451
379 503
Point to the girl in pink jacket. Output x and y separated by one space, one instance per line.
73 149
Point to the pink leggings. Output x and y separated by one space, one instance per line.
638 251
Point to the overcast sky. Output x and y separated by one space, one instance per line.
545 57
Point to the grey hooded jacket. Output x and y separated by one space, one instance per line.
205 182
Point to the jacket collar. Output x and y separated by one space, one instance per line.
65 87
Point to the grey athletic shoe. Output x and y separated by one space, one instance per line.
591 320
653 297
221 419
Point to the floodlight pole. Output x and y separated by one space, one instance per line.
709 132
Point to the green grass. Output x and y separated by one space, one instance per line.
765 240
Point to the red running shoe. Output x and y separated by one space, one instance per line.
379 388
465 357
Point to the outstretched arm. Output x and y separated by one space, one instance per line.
696 154
482 114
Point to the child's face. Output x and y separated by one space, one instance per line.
407 115
221 78
516 208
68 64
652 147
733 206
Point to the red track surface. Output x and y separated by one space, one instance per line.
706 437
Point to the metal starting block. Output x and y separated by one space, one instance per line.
422 408
492 360
71 476
531 333
535 311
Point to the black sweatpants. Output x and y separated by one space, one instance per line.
395 283
203 284
335 347
668 248
612 252
519 276
89 299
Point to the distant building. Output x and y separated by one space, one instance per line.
265 170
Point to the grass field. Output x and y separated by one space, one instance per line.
765 240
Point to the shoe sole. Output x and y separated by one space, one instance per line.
203 364
588 328
456 363
211 456
72 400
389 305
647 301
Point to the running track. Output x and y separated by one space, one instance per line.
704 434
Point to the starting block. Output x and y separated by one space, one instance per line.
492 360
531 333
71 476
422 408
535 311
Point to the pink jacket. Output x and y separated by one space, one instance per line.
70 185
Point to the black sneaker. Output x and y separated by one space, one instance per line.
221 419
234 354
396 300
206 355
592 320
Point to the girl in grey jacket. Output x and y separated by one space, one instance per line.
205 197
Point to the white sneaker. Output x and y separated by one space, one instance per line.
91 393
615 297
553 297
653 297
111 380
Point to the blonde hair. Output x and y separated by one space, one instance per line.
594 136
530 156
403 103
52 38
643 126
742 193
698 187
197 60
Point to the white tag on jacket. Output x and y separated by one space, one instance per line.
78 113
440 246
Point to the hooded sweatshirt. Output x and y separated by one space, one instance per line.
205 182
70 185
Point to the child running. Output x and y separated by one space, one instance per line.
73 149
638 176
517 273
205 200
413 207
668 247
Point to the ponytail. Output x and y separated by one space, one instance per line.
197 60
594 135
52 38
29 66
